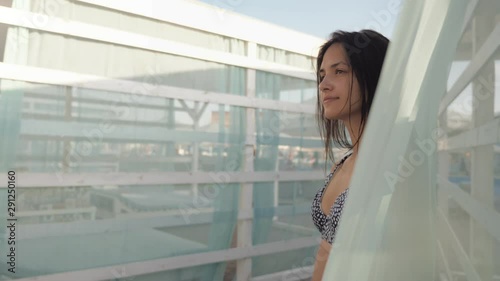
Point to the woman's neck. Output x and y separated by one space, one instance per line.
353 126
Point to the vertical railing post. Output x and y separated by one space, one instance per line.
481 243
443 157
443 164
196 151
67 148
244 229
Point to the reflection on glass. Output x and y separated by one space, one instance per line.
295 224
168 220
282 210
284 57
73 204
100 131
283 88
221 157
300 158
55 205
287 141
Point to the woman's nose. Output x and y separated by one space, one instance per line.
325 85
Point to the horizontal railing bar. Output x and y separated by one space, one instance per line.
470 271
56 25
487 134
487 217
185 261
59 179
93 82
182 215
483 55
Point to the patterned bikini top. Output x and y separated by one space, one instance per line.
327 223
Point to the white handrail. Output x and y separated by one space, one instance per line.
488 218
480 58
165 264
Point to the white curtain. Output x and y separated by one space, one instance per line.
388 229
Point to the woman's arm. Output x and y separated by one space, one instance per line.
321 259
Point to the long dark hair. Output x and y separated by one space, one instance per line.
366 52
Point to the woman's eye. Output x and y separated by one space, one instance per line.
339 71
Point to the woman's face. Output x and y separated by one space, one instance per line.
335 86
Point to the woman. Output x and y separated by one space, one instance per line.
348 68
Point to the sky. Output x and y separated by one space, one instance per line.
319 17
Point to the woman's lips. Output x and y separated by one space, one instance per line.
330 99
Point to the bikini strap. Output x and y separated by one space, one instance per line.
341 162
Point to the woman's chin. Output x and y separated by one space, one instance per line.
331 116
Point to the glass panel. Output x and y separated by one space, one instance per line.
94 14
155 69
96 131
70 138
298 193
103 224
296 158
288 140
472 175
474 239
284 57
288 260
194 273
282 210
283 88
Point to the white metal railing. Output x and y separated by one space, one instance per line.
460 252
480 58
66 78
488 218
471 8
60 179
40 76
218 21
245 250
442 257
190 260
487 134
296 274
54 212
178 216
480 139
11 16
